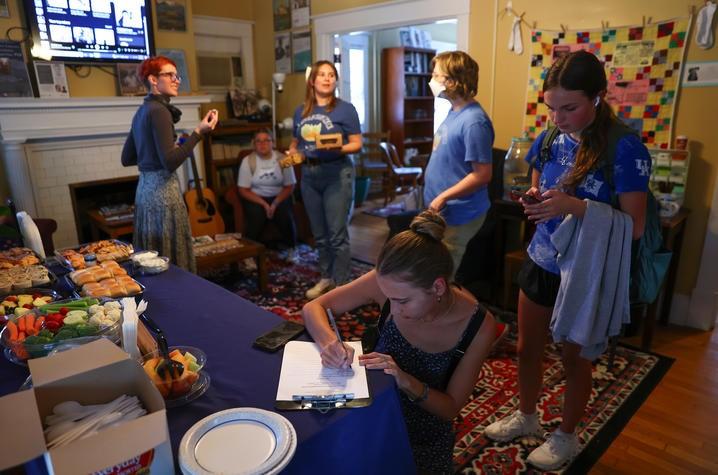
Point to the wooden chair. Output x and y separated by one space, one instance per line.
371 163
397 177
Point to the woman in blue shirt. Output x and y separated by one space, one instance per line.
574 92
327 174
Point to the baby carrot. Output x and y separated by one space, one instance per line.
21 336
12 328
38 323
29 322
21 324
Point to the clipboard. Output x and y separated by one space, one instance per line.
305 384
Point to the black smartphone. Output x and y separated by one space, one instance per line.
278 336
529 199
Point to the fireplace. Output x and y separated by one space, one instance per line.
52 146
96 195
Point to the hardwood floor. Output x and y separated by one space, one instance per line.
676 430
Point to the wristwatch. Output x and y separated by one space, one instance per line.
421 398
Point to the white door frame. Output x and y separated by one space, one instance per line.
389 15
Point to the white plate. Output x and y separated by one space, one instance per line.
243 440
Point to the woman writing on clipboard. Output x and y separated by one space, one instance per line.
161 221
327 174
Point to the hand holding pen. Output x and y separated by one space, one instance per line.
336 354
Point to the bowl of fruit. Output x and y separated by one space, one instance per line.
14 305
37 332
178 384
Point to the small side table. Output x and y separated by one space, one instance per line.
114 229
248 249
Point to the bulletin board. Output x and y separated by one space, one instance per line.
643 67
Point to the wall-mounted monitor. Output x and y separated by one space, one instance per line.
82 31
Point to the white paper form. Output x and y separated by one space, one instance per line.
303 374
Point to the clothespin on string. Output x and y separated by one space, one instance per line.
604 25
564 28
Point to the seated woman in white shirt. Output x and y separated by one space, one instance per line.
266 191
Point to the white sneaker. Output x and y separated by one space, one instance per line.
250 264
558 449
323 286
515 425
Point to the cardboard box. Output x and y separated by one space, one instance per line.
95 373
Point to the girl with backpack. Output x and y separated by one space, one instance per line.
573 173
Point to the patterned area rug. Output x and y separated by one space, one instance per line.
616 395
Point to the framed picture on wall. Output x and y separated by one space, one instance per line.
171 15
177 55
300 13
282 53
4 9
282 16
301 50
51 79
128 82
14 79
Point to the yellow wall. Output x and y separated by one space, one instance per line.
237 9
695 110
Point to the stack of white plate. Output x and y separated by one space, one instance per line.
244 440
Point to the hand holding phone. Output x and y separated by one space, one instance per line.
529 199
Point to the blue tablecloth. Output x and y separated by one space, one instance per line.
193 311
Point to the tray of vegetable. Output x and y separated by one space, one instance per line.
37 332
16 304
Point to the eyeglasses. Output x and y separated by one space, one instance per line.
172 76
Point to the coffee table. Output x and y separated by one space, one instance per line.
247 249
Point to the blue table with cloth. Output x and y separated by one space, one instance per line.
193 311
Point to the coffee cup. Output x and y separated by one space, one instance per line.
669 207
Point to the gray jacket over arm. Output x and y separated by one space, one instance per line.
151 142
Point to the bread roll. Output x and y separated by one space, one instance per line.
101 273
92 286
84 278
117 291
99 292
132 288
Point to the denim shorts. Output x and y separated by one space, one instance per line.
538 284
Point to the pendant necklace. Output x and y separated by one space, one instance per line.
446 312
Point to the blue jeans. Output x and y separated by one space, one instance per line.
328 191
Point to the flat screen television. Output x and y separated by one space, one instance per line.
87 31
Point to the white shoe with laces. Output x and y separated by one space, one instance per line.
515 425
322 287
558 449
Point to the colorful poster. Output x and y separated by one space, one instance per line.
282 53
643 66
14 80
301 50
282 15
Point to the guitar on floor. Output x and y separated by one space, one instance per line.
204 217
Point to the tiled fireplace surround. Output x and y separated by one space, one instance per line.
48 144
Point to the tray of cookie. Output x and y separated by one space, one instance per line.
106 279
18 257
104 250
18 278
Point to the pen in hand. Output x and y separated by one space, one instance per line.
333 323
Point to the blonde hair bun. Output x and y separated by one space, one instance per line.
429 223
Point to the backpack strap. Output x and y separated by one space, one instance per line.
616 132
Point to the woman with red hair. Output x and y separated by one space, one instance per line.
161 221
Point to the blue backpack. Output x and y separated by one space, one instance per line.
649 258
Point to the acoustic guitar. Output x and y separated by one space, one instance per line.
204 218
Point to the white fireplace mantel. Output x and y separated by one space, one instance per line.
85 125
27 119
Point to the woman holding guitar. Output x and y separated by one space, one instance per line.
326 130
161 221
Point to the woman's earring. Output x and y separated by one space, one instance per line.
438 298
597 101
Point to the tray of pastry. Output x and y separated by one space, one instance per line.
18 257
15 279
104 250
106 279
